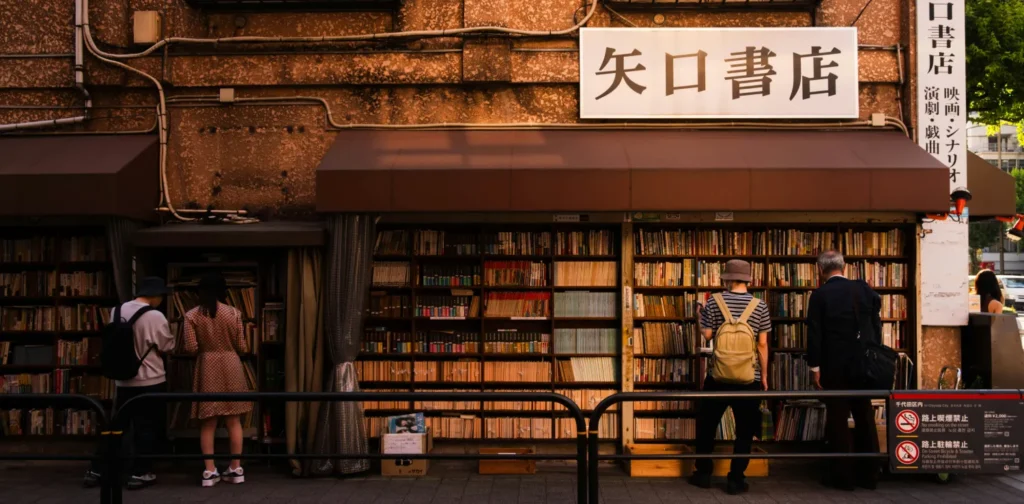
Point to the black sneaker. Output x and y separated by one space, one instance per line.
140 481
92 479
700 480
736 486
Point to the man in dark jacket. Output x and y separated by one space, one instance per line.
838 313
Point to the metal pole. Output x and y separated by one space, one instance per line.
1002 237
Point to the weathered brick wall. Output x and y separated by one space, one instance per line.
265 156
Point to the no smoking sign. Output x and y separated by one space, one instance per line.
907 421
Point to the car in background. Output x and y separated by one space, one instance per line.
1013 290
1007 300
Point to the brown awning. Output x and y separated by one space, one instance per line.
627 170
993 193
79 175
260 234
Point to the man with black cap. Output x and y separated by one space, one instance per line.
739 324
153 338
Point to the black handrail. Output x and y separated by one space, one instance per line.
574 411
72 400
593 457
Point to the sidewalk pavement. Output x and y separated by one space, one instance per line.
448 484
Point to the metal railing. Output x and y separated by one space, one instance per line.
112 488
594 458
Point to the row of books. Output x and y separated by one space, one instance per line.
28 284
662 405
878 274
793 274
456 306
449 275
518 428
516 273
48 318
894 306
380 340
586 304
647 370
441 243
780 242
666 338
447 371
41 249
241 298
586 273
788 304
802 420
5 353
586 369
789 336
60 381
79 353
391 274
607 428
586 341
383 305
585 243
518 304
664 428
709 273
680 306
438 243
513 341
81 283
47 422
517 371
790 372
664 274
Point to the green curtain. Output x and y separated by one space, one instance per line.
304 349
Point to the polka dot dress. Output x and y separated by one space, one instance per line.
218 368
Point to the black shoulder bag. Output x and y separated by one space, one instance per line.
877 367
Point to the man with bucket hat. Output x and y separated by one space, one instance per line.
738 323
145 424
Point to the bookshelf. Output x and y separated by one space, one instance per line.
494 308
256 288
677 266
56 292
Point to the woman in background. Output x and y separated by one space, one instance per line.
986 285
214 329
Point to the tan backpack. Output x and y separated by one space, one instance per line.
735 346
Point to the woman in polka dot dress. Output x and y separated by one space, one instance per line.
214 330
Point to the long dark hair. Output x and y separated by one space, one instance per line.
212 289
986 284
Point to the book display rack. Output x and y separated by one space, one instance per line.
56 292
516 308
539 307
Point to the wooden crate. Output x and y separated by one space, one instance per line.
507 466
657 468
758 468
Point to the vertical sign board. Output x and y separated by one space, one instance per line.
942 132
662 73
961 432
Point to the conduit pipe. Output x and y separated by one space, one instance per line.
79 69
355 38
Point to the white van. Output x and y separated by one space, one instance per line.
1013 289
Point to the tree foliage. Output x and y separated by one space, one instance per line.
995 60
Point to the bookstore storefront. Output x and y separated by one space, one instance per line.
67 207
573 260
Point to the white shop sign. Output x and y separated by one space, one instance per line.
665 73
942 132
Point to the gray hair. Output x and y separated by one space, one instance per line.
831 261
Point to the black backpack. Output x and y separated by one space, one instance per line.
118 357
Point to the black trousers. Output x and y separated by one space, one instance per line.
846 472
144 425
709 414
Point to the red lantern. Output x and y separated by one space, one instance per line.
960 198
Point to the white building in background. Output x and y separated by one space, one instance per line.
988 146
992 148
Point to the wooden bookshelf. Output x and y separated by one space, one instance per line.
783 258
56 292
483 262
255 283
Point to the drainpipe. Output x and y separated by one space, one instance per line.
79 84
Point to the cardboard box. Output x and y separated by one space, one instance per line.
757 468
398 444
507 466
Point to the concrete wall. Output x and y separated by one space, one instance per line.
264 157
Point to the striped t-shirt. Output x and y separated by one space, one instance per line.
760 321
